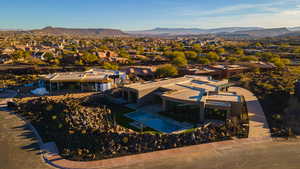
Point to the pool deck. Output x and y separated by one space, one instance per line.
153 110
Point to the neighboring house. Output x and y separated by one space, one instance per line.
261 65
39 55
8 50
4 58
23 47
91 80
220 71
142 71
192 95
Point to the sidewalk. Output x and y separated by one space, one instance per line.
139 159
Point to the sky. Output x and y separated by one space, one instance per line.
147 14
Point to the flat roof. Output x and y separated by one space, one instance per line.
188 88
157 84
93 75
224 97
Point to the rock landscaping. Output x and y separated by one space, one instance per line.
84 133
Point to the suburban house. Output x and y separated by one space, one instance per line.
194 96
142 71
91 80
219 71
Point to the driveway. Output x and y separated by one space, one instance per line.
18 146
258 123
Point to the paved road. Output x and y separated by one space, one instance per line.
284 155
18 146
19 149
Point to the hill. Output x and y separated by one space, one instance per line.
294 28
265 32
79 31
191 31
294 34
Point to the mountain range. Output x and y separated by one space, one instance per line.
245 31
294 28
189 31
248 32
79 31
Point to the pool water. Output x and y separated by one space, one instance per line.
156 122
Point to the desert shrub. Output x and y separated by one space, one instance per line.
88 133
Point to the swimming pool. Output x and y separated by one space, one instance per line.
157 122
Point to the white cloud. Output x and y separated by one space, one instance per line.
276 14
220 10
284 18
265 7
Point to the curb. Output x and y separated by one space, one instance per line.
53 159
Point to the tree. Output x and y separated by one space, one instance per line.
179 61
110 66
239 51
197 47
280 62
190 55
258 45
248 58
103 47
221 51
123 53
174 54
203 60
267 56
232 59
49 57
18 54
140 50
213 56
89 58
297 50
166 71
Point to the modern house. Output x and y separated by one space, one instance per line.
193 95
91 80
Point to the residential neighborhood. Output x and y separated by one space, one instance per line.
150 84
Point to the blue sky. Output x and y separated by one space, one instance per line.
148 14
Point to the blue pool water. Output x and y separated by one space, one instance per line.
155 122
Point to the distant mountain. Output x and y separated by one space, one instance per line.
191 31
294 28
170 31
11 30
233 29
295 34
79 31
264 32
